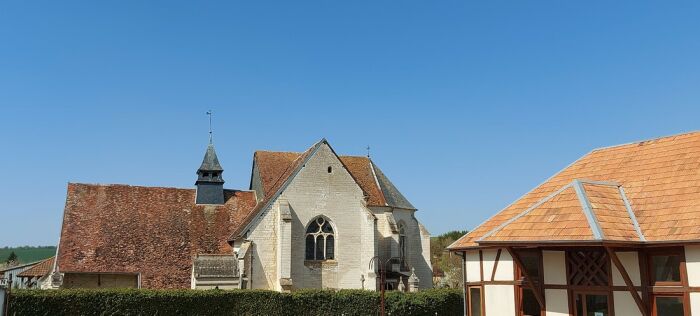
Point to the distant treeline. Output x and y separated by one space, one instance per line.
26 254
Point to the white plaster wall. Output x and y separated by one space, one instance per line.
489 256
692 263
504 269
473 266
695 304
630 261
554 263
499 300
624 303
557 302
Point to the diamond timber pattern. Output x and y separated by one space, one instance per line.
588 268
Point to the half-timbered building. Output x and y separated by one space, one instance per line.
617 232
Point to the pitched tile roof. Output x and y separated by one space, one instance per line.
660 179
278 176
273 166
40 269
149 230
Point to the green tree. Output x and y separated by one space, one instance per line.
11 259
450 264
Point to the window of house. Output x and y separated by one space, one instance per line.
665 268
668 305
475 301
592 304
320 240
528 305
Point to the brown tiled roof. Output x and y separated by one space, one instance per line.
277 175
660 178
40 269
361 169
273 166
153 231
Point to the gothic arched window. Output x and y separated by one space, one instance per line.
402 241
320 240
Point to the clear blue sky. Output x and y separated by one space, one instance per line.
466 104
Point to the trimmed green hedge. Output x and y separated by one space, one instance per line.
233 302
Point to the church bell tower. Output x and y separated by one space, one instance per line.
210 184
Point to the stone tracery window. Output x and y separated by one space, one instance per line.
320 240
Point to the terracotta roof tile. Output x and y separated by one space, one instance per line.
361 169
120 228
274 167
660 177
40 269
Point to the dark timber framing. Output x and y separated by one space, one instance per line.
648 288
537 291
628 282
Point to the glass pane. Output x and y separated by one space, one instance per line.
531 261
669 306
596 305
319 248
475 301
579 305
313 228
666 268
330 247
327 228
310 247
529 304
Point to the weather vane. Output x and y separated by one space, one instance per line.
210 135
367 151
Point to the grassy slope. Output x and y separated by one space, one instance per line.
28 254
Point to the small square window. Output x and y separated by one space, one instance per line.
330 169
666 268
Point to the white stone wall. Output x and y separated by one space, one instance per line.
315 192
360 232
264 251
416 244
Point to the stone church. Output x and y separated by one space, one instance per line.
308 220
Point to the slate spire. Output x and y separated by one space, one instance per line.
210 184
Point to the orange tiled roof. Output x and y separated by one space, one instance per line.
660 178
40 269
